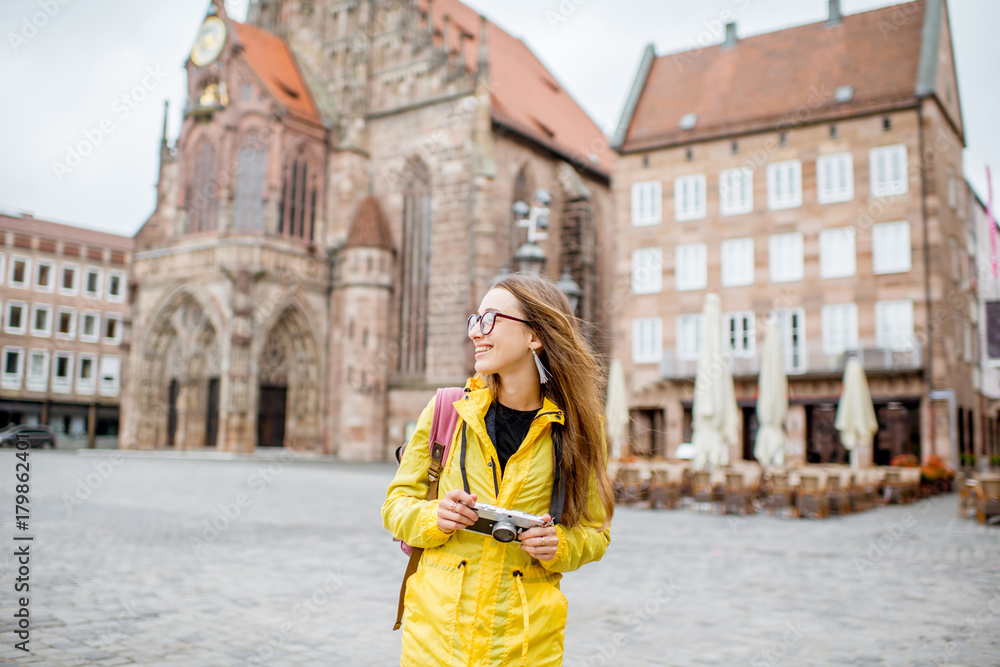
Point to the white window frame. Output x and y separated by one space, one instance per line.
646 204
967 339
741 340
47 331
98 332
112 317
736 191
690 330
26 283
72 323
894 325
837 253
85 386
63 385
737 260
888 243
828 169
777 172
647 271
3 264
25 317
75 289
796 358
647 340
87 272
105 388
687 188
840 328
53 274
12 381
785 269
889 158
690 267
37 382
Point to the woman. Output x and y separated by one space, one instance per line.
536 396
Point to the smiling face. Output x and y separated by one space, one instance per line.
507 349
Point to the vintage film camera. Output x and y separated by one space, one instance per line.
503 524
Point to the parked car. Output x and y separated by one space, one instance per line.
37 436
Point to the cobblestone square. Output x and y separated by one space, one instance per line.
158 561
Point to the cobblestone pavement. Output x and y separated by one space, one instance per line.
173 561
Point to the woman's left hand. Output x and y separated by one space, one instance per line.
540 542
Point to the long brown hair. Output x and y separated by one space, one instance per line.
576 386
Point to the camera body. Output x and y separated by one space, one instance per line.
502 524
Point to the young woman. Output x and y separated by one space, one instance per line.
535 400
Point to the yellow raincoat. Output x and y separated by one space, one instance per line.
474 600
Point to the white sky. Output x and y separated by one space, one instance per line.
66 79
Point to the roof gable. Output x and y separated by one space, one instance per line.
272 61
369 228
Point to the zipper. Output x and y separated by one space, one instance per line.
496 485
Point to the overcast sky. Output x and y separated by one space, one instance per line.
98 71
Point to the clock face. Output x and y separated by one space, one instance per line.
208 45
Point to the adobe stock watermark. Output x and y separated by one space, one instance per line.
86 486
121 109
770 656
30 25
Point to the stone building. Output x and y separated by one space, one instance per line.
336 204
814 173
63 313
986 277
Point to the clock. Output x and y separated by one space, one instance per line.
208 45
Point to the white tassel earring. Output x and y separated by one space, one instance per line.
543 375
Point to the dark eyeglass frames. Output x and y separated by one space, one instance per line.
487 321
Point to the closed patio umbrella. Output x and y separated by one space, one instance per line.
772 400
616 410
714 412
856 415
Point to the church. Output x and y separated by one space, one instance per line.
340 196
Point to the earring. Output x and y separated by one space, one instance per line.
543 375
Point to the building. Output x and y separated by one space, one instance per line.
336 204
64 310
813 173
987 347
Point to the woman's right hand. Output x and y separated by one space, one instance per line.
455 511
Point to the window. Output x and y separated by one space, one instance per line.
785 257
297 211
891 247
38 370
41 320
784 184
647 200
840 328
20 269
689 197
17 317
740 333
110 369
736 191
967 341
69 284
647 340
251 164
414 266
112 328
894 325
62 372
888 171
952 189
688 337
837 253
992 323
647 271
13 368
90 326
92 279
86 374
66 323
44 275
792 324
201 195
956 260
690 271
3 267
737 262
116 286
834 178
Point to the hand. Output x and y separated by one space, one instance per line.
541 542
455 511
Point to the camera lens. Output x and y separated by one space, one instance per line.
504 531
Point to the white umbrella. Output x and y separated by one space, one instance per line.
616 410
855 414
714 413
772 400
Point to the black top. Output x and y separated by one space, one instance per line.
508 429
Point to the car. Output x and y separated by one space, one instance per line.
36 436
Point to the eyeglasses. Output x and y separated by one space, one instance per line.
487 320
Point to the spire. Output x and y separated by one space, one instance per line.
163 138
483 65
445 27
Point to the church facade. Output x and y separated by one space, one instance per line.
336 204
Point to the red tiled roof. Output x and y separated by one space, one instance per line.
787 76
369 228
26 224
525 96
269 56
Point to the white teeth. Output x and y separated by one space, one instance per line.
484 349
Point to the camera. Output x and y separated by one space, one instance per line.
503 524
